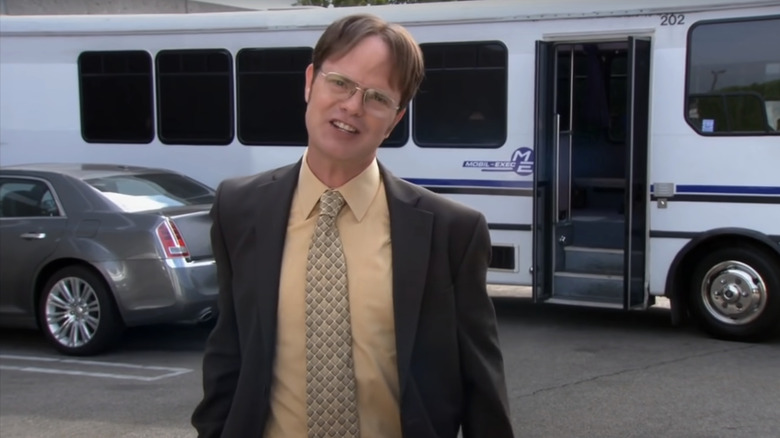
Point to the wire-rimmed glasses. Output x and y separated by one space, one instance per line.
374 101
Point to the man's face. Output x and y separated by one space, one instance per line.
342 130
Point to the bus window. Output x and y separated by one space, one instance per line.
733 83
116 97
462 101
271 107
195 96
399 135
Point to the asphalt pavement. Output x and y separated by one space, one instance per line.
571 372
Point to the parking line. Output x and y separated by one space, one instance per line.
160 372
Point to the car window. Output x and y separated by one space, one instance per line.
26 198
152 191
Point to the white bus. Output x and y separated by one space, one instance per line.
620 150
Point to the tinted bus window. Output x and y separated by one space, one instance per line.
270 87
116 97
462 101
195 96
399 135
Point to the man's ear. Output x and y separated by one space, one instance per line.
309 78
398 118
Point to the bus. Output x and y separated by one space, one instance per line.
620 151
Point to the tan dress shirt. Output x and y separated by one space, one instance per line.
364 226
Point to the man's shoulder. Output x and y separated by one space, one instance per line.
434 202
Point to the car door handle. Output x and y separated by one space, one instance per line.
33 236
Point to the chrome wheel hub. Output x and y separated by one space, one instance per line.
733 292
72 312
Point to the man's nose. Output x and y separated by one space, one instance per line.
354 103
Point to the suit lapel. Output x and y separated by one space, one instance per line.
270 219
410 233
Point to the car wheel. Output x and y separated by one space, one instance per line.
77 312
735 293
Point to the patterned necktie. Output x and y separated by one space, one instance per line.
330 380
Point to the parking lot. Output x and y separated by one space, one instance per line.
572 372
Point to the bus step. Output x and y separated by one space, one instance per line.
600 232
585 303
588 287
606 261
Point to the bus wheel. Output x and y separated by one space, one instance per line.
736 293
77 312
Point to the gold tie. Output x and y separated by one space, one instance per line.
330 381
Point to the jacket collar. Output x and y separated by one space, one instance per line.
410 232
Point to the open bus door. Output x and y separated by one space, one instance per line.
590 180
636 194
545 121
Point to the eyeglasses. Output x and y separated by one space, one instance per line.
374 101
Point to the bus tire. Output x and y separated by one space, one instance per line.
735 293
77 312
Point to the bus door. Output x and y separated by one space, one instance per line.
590 204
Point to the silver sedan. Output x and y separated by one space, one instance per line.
87 250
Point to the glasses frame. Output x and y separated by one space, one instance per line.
365 91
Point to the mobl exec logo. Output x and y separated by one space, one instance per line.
521 163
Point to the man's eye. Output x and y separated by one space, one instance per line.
380 98
338 82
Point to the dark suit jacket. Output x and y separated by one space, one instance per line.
450 366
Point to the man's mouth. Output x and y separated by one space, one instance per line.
344 127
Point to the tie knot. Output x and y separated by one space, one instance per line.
331 203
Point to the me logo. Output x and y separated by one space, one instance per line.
523 160
522 163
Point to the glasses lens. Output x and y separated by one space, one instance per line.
376 101
373 100
340 85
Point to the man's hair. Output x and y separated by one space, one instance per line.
344 34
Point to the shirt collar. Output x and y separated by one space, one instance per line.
358 192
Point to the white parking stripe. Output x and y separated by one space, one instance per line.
59 366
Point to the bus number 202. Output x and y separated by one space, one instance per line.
672 19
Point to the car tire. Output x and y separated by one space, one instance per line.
77 312
735 293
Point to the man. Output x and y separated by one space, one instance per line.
393 334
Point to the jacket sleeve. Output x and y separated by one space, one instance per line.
221 361
486 409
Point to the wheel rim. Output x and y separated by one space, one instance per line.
734 293
72 312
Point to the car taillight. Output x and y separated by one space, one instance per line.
171 240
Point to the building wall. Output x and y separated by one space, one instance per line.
60 7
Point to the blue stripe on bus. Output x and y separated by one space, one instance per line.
470 183
679 189
730 190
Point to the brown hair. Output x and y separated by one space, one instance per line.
344 34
